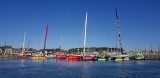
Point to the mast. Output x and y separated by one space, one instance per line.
46 33
85 34
119 36
61 43
158 47
151 47
138 46
24 42
28 44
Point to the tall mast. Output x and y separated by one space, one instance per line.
24 40
61 42
46 33
119 36
85 34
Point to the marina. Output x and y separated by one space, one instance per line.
118 54
101 39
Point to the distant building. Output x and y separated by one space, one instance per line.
6 50
0 51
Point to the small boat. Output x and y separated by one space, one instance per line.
139 56
23 56
4 56
122 57
101 58
119 58
38 57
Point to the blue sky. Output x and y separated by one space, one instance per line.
139 23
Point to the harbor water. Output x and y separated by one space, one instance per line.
52 68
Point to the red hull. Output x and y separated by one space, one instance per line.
61 56
88 57
78 57
75 58
23 56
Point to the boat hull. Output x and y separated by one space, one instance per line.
74 58
23 56
88 58
139 57
61 56
38 58
4 56
101 59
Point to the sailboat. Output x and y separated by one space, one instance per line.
40 55
61 55
83 55
22 54
86 57
139 56
121 56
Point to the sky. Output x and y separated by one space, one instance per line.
138 19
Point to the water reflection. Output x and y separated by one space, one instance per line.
22 62
61 61
140 62
121 72
85 73
64 61
56 68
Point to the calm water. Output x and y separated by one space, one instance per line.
18 68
